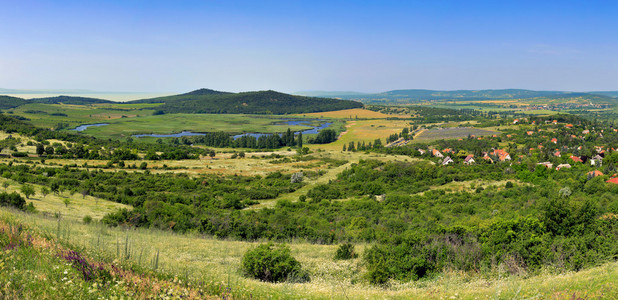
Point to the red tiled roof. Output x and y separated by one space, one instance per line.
613 180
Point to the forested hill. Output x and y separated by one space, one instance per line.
10 102
70 100
261 102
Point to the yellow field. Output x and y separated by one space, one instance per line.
365 131
352 114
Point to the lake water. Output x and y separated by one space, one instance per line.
85 126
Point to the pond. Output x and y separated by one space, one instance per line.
85 126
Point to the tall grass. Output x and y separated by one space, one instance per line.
214 265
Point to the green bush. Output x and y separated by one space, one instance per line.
345 251
273 263
87 219
12 200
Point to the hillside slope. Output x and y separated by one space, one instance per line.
260 102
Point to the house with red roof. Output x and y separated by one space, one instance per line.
469 159
576 159
594 173
501 154
613 180
436 153
554 140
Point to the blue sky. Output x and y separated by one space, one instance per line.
369 46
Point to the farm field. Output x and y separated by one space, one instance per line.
352 114
365 131
433 134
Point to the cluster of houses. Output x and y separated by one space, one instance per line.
500 154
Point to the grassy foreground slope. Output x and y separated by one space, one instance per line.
194 267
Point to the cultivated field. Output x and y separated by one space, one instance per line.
352 114
433 134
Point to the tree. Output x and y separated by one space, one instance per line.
49 150
66 202
27 190
45 191
55 187
212 153
300 140
6 184
40 149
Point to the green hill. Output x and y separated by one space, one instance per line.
7 102
10 102
416 95
70 100
260 102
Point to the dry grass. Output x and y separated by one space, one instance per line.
214 260
365 131
471 185
352 114
78 208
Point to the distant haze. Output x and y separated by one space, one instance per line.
366 46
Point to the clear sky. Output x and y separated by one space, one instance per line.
369 46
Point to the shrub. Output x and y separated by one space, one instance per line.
273 263
87 219
12 200
345 251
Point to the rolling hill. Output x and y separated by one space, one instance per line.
416 95
259 102
11 102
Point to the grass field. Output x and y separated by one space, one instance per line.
174 123
42 114
213 261
78 206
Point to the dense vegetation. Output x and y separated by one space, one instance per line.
10 102
262 102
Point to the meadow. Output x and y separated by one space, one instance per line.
213 262
50 115
175 123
